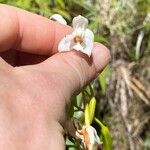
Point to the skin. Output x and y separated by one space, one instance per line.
37 82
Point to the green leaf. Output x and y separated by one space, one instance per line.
102 82
83 5
100 38
102 78
63 13
78 99
1 1
78 111
92 105
106 136
86 115
61 3
147 142
70 144
89 90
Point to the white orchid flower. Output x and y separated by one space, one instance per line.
58 18
81 39
89 138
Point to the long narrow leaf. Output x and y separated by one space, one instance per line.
92 106
86 115
106 136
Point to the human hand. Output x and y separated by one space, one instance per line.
36 88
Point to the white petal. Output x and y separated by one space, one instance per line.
79 21
89 34
89 41
78 47
58 18
95 135
91 134
65 43
78 32
88 48
94 139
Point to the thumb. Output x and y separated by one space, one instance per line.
73 70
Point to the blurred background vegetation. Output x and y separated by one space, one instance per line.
123 88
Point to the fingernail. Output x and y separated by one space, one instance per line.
101 57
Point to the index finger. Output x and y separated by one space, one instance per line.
28 32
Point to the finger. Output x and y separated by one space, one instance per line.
70 72
17 58
62 75
23 58
73 70
9 57
29 32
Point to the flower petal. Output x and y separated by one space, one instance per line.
96 137
78 32
78 47
65 43
88 137
89 34
58 18
79 21
89 41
